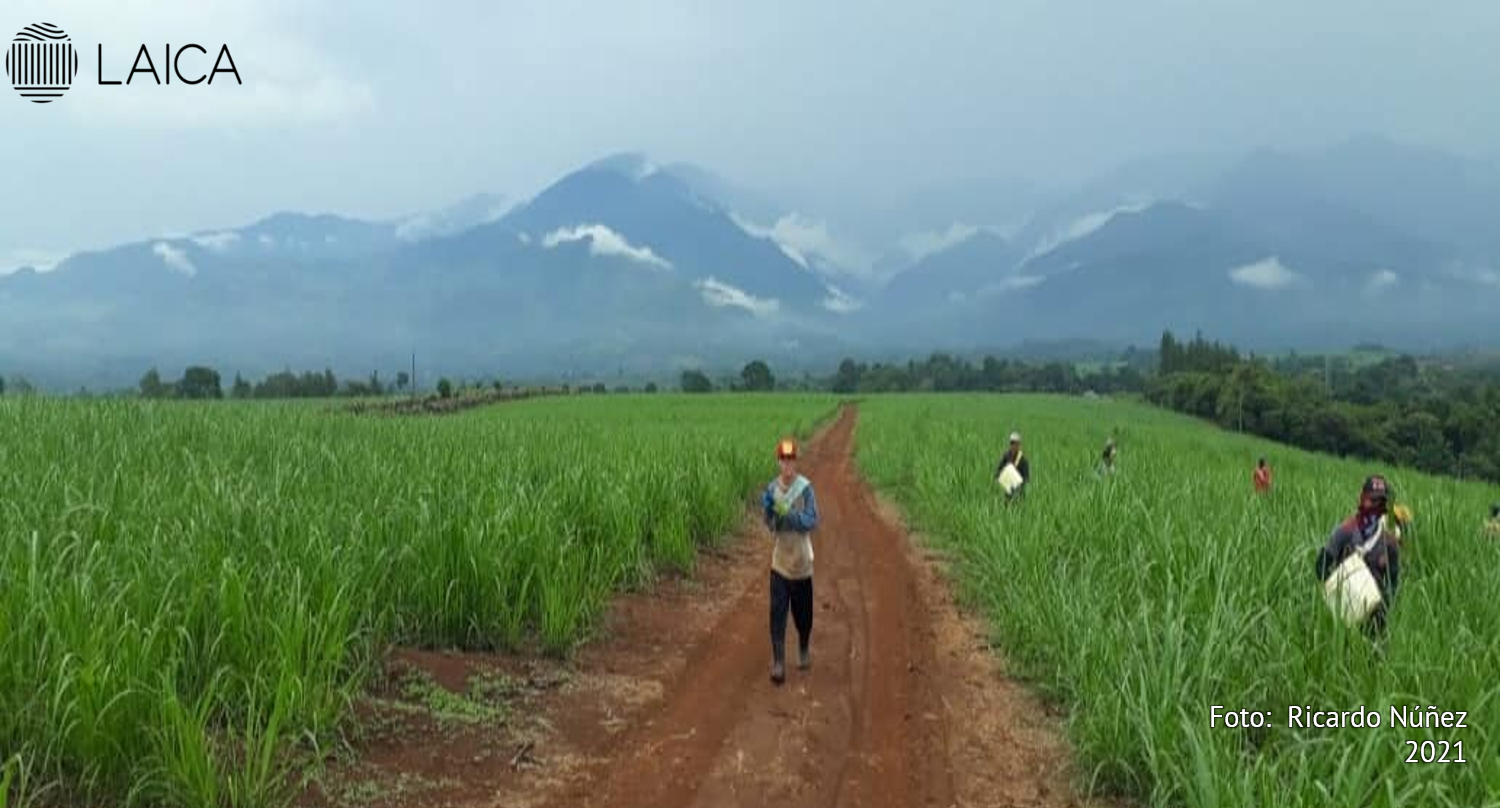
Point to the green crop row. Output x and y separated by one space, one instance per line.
1143 599
192 596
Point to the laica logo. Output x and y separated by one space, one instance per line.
41 63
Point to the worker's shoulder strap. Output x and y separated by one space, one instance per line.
1360 542
799 485
795 490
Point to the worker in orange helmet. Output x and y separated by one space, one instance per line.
791 513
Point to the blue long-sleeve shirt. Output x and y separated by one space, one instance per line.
792 556
802 518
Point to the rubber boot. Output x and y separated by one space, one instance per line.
804 657
778 663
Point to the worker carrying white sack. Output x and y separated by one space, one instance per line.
1360 566
1014 470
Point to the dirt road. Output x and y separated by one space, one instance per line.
904 705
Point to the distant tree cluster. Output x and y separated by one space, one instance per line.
286 384
1393 410
946 373
756 377
1197 356
696 381
200 382
197 382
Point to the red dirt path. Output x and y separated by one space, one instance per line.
672 708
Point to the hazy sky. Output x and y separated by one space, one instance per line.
378 108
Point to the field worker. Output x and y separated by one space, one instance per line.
1492 527
791 514
1365 533
1262 477
1015 457
1107 461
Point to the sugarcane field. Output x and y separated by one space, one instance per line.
561 601
666 404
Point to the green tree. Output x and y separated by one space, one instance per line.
847 378
756 377
695 381
1419 441
883 378
1170 358
241 388
445 388
402 380
651 387
151 385
199 382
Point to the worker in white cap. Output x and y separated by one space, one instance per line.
1016 459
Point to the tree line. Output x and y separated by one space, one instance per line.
201 382
1429 416
1434 416
940 372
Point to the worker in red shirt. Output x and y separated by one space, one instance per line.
1262 477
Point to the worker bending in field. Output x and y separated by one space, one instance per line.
1262 477
1492 527
791 513
1367 533
1016 458
1107 459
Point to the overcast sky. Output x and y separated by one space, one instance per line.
378 108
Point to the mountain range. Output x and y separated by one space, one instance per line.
629 266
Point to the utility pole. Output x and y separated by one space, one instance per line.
413 374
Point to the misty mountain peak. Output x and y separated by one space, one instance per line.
633 164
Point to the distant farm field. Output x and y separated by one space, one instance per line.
1143 600
188 592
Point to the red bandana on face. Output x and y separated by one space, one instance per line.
1370 511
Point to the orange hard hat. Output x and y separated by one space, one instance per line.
786 449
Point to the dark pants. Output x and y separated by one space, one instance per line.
799 596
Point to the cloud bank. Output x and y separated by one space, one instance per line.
1269 275
176 259
720 295
605 242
